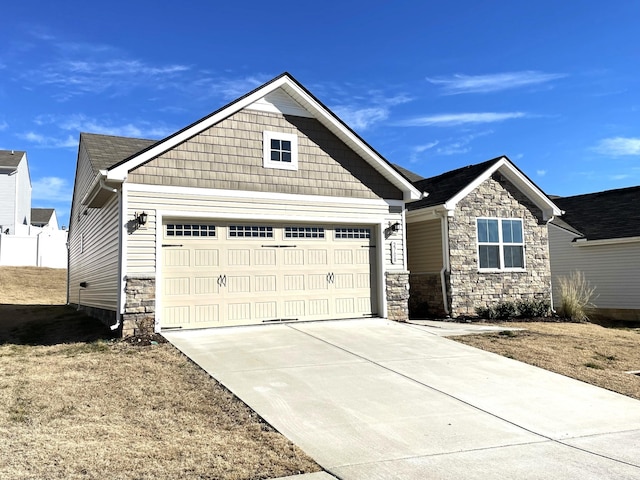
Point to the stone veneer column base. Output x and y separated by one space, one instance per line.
139 307
397 296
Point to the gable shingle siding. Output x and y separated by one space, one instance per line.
228 156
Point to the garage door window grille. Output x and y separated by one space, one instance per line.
250 231
303 232
190 230
346 233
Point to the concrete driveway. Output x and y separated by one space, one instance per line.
373 399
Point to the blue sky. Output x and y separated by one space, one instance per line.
432 86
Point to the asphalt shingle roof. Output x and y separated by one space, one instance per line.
9 159
603 215
107 150
445 186
41 215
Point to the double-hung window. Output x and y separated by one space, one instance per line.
500 244
280 150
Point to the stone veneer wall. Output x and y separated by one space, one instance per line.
469 288
139 307
425 299
397 296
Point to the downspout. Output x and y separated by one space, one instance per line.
116 325
549 220
445 260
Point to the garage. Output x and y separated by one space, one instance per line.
240 273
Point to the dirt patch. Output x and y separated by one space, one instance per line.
592 353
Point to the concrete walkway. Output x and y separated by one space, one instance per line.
373 399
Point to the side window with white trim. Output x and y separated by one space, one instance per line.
500 244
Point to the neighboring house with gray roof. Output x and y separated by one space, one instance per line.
44 218
270 209
478 238
15 192
599 235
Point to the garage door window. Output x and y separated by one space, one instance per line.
303 232
190 230
346 233
250 231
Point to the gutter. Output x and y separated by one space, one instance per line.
100 183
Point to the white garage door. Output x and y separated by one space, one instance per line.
221 274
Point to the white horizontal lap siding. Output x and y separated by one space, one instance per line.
611 269
96 263
142 243
394 241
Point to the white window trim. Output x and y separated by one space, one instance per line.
267 136
500 244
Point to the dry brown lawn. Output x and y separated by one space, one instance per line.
584 351
76 404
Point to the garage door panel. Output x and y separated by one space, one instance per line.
242 278
317 257
206 258
206 285
238 257
239 284
264 256
293 257
265 283
206 313
176 258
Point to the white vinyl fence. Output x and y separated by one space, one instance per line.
47 248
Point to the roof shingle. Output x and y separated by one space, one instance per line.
10 158
603 215
107 150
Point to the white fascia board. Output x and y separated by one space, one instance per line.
425 214
518 179
585 242
288 197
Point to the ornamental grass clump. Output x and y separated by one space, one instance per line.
576 295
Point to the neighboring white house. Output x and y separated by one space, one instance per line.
15 193
599 235
28 237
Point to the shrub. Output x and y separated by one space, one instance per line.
534 308
576 295
506 310
486 312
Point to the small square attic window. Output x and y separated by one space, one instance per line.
280 150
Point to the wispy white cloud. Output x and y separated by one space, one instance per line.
52 189
419 149
49 141
454 119
81 123
3 125
541 173
230 88
361 118
619 146
457 84
620 176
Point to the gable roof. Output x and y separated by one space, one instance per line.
11 158
447 189
107 150
41 215
603 215
117 172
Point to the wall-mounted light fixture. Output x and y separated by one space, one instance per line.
394 227
141 218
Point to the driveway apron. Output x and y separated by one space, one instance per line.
374 399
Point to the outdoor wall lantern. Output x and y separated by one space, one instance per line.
141 218
395 227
